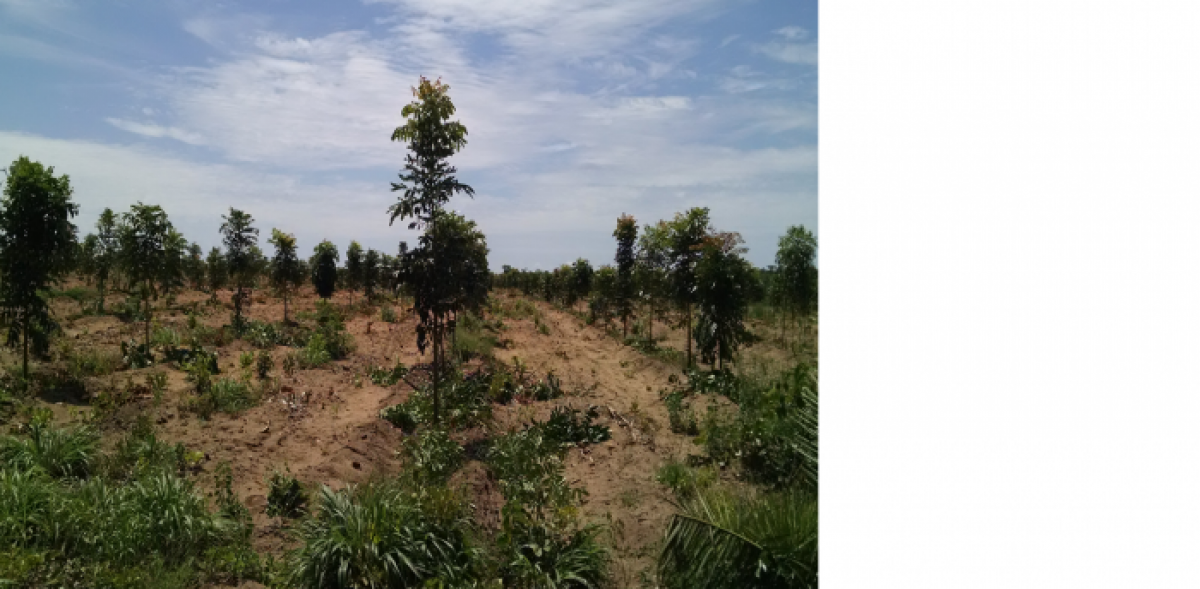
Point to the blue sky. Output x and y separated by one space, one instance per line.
577 112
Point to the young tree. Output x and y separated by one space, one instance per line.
193 266
287 273
144 235
108 250
37 242
427 183
239 237
724 286
354 268
218 271
652 271
324 268
581 279
688 231
175 260
370 273
626 234
85 259
796 272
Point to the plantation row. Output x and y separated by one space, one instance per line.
71 514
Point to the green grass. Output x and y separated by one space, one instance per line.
384 535
55 452
432 456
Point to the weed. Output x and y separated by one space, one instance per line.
56 452
386 378
286 497
433 456
264 364
387 314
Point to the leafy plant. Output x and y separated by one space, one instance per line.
568 426
287 271
387 314
264 364
386 378
722 540
432 456
286 496
136 355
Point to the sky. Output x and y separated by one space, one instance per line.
577 112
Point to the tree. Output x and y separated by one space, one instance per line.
193 266
37 242
144 235
688 231
724 286
108 249
175 260
85 260
652 271
324 268
626 234
604 286
427 183
218 271
581 278
239 237
796 272
287 273
370 274
354 268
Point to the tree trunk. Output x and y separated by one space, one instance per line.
688 334
437 368
650 329
149 316
285 310
25 355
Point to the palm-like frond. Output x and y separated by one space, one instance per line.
719 540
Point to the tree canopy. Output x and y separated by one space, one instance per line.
37 244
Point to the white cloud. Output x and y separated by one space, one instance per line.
794 53
728 40
792 33
152 130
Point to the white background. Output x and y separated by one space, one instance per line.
1009 294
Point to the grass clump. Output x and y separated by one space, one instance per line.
94 362
385 535
225 395
387 314
142 453
683 480
56 452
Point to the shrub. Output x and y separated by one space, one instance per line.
681 416
141 453
433 456
402 415
386 378
382 535
568 426
286 496
315 354
57 452
136 355
387 314
264 364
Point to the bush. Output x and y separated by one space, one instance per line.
316 353
402 415
568 426
433 456
685 481
385 536
387 314
56 452
537 556
682 418
94 362
136 355
264 364
141 453
232 396
286 496
386 378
